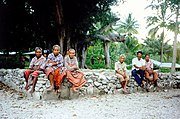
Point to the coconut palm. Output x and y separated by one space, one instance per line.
152 47
158 24
175 7
128 26
178 52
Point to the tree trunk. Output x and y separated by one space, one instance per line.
173 66
162 45
106 53
61 35
68 38
59 20
84 52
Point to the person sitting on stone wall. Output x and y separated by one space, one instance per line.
149 71
36 65
138 69
73 74
121 72
54 69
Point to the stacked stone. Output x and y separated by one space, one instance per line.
13 78
104 82
166 80
3 72
176 80
99 82
41 86
133 86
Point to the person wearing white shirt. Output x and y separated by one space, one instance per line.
138 68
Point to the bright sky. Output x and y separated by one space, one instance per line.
137 8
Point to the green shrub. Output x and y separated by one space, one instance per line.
165 70
9 62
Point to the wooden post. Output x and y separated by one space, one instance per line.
106 53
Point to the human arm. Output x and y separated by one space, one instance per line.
53 61
119 69
31 65
149 67
71 65
60 61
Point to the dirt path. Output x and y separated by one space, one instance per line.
154 105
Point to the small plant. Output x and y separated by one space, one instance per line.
165 70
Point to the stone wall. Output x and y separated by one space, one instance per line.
99 82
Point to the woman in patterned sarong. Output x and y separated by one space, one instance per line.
36 66
73 74
54 69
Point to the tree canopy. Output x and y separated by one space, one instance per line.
48 22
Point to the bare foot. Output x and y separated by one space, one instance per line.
50 88
32 91
56 92
26 87
75 90
156 89
125 91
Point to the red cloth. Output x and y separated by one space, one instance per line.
27 72
78 79
58 77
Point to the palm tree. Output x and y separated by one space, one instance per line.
159 22
152 46
129 26
178 52
175 7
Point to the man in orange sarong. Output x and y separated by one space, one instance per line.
73 74
54 69
149 71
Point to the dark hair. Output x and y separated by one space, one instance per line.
147 55
139 52
38 48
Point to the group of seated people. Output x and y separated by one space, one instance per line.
141 71
56 68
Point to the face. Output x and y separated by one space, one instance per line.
122 59
38 53
56 51
139 55
71 54
147 58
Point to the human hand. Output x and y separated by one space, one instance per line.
58 63
124 76
150 71
142 68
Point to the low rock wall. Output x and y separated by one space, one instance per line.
99 82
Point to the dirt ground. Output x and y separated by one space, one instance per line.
151 105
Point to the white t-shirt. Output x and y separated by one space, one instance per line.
138 63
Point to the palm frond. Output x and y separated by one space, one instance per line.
152 20
152 32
